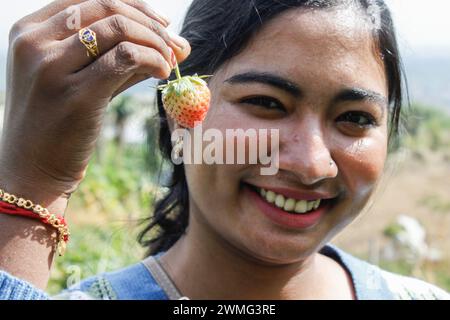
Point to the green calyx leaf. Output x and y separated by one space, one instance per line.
180 86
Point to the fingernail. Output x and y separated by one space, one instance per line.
180 42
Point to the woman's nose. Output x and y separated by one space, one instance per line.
305 153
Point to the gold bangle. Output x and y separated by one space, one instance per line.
44 215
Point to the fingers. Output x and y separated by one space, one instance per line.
49 10
62 25
61 6
56 27
67 16
149 11
110 32
133 42
115 69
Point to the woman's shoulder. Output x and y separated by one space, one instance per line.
407 288
131 283
372 282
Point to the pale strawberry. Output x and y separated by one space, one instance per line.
186 99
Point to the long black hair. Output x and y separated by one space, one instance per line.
217 31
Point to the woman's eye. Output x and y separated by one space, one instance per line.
361 119
266 102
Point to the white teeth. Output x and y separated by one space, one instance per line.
317 204
301 206
270 196
279 201
289 204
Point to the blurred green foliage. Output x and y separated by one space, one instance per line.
95 249
392 230
427 128
104 216
436 203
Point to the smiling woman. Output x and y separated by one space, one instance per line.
325 74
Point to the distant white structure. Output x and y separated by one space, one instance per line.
409 243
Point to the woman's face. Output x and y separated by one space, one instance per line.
316 77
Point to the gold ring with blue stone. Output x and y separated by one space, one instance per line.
89 39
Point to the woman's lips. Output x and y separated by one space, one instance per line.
280 217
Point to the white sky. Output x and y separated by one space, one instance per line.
420 23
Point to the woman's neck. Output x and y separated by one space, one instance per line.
204 266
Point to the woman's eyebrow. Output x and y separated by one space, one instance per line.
360 94
350 94
266 78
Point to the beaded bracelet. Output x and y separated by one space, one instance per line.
18 206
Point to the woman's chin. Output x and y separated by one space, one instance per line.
271 246
285 255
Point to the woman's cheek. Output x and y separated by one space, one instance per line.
361 164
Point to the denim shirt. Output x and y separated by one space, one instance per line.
137 283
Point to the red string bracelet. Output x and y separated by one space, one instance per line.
10 209
12 205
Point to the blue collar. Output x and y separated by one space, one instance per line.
136 282
367 279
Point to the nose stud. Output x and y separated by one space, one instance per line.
331 163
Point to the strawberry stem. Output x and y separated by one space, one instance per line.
177 72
